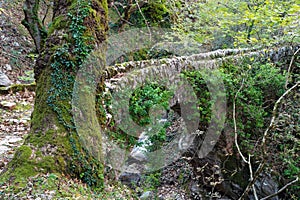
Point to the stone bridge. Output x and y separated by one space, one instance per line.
122 79
204 60
129 75
126 77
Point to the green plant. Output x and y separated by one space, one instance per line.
144 98
228 23
197 81
141 101
28 77
151 181
261 85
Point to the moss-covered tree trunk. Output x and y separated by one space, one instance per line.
53 145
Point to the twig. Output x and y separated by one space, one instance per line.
283 188
234 122
248 162
121 18
274 116
251 177
146 22
290 67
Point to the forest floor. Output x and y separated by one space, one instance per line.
15 107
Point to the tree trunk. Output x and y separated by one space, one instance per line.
53 144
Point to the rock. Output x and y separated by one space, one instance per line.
8 67
148 195
266 185
138 153
130 179
4 80
195 188
16 44
3 149
8 105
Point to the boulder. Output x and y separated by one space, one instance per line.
148 195
8 67
8 105
130 179
266 185
4 80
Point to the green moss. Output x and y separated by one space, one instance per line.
58 23
17 88
27 163
51 137
20 168
48 164
23 154
23 106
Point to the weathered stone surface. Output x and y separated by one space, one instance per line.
8 67
265 186
130 179
148 195
7 105
215 57
4 80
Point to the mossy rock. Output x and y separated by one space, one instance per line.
17 88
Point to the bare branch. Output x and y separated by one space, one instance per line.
251 177
274 115
130 8
146 22
282 189
290 67
234 123
260 167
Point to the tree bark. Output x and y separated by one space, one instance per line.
53 144
33 24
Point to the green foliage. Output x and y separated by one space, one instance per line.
195 78
152 181
144 98
141 101
153 13
28 77
261 85
228 23
156 14
158 139
125 141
